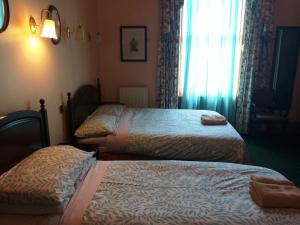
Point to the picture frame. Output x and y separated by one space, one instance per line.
133 41
4 15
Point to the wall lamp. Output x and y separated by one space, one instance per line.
46 25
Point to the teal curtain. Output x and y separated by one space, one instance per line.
210 53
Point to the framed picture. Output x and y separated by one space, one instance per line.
133 43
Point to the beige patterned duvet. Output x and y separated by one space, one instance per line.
174 135
173 192
179 135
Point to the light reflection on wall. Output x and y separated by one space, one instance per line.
32 50
37 54
35 51
33 43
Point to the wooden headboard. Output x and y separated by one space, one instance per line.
79 106
22 133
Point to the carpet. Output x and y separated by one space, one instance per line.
280 154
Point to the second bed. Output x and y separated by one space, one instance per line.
175 134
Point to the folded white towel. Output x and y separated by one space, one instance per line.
213 120
271 180
275 195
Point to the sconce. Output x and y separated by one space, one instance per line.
49 25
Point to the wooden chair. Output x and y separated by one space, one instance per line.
264 117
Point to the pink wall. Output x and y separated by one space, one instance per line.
287 13
114 73
32 67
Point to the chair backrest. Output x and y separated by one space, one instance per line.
263 98
264 103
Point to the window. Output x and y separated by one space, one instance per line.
210 52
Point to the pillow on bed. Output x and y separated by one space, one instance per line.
45 180
98 125
110 109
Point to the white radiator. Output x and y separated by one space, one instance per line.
134 97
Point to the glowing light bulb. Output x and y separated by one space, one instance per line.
48 30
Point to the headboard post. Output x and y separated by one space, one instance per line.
99 90
70 119
43 112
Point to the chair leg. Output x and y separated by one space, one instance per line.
251 129
284 127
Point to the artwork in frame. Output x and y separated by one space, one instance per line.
133 43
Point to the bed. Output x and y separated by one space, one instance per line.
175 134
26 130
145 192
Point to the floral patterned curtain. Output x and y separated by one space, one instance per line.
257 56
168 54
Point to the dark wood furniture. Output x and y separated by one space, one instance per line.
284 66
264 117
270 107
22 133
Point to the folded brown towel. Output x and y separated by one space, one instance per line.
213 120
274 195
271 180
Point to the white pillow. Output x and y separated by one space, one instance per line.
96 126
110 109
45 179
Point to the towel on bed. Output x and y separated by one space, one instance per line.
271 180
275 195
213 120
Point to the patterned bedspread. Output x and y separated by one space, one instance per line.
179 135
174 192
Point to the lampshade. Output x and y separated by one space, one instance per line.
48 29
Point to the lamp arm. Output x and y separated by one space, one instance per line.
47 16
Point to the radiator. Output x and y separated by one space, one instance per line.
134 97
